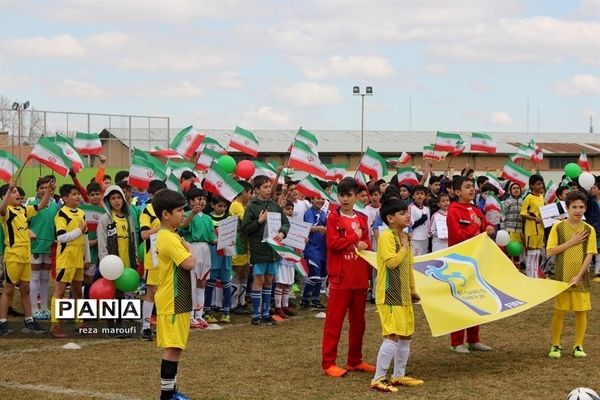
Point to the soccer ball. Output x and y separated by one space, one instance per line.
583 394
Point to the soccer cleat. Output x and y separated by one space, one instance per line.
255 321
33 327
225 318
57 333
180 396
5 329
195 324
555 352
383 385
318 306
46 315
335 372
362 367
406 381
304 303
240 310
147 334
578 352
37 315
210 318
266 321
289 311
596 278
461 349
280 313
479 347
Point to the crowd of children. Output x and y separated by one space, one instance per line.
178 232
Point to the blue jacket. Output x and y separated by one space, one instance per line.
592 214
315 248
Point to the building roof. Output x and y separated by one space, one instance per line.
385 142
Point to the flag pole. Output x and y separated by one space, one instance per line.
16 178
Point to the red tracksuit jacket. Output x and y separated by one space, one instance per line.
464 220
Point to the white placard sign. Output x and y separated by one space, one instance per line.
441 226
153 250
297 234
551 214
227 232
273 225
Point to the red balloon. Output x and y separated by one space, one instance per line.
102 289
245 169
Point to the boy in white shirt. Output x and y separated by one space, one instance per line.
419 216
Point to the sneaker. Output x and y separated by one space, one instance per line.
383 385
147 334
555 352
225 318
289 311
5 329
153 320
479 347
318 306
304 303
578 352
210 318
406 381
47 315
37 315
180 396
280 313
266 321
461 349
14 313
57 333
255 321
362 367
195 324
335 372
596 278
33 327
240 310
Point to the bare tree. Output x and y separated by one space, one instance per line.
8 117
35 129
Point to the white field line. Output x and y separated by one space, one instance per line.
81 394
57 347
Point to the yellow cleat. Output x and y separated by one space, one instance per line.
406 381
383 385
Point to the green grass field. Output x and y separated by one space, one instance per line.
283 362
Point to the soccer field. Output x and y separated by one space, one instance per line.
283 362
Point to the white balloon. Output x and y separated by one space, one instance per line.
502 238
111 267
586 180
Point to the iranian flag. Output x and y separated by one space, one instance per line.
302 268
336 171
261 168
311 188
429 153
172 183
69 151
177 168
407 176
483 142
583 162
51 155
287 253
460 148
212 144
159 167
165 153
494 181
187 142
373 164
515 173
538 154
206 158
550 196
493 203
303 158
220 183
360 178
308 139
8 165
88 144
92 215
358 206
446 141
145 168
244 141
523 153
404 158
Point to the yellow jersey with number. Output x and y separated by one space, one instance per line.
70 254
17 243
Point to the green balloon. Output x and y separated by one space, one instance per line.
227 163
572 170
141 252
514 248
128 281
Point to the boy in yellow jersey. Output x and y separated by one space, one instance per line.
573 242
241 261
149 226
395 292
17 252
534 228
72 252
174 294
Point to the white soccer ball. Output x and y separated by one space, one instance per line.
111 267
583 394
502 238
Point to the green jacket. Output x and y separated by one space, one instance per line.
259 251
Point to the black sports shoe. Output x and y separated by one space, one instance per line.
318 306
255 321
304 303
266 321
5 329
14 313
33 327
147 334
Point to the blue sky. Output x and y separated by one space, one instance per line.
465 64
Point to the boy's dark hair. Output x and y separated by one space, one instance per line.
260 180
379 182
362 188
167 200
404 185
187 175
535 178
3 190
42 181
434 179
121 176
214 199
458 181
93 187
347 186
420 188
488 187
289 203
439 198
374 189
105 177
390 207
124 185
391 192
481 180
21 191
246 185
155 186
466 172
576 195
573 184
196 192
560 190
66 189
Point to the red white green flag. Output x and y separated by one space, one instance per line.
407 176
212 144
373 164
261 168
177 168
287 253
244 141
8 165
523 153
446 141
187 141
336 171
429 153
360 178
550 196
494 181
515 173
493 203
51 155
583 162
69 151
92 215
308 139
311 188
303 158
206 158
483 142
459 149
538 154
144 169
173 183
165 153
218 182
88 144
402 160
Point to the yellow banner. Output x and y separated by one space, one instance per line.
472 283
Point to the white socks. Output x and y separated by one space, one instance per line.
285 297
597 265
199 303
34 288
533 263
278 295
387 352
44 284
402 353
147 307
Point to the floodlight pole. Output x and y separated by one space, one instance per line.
368 92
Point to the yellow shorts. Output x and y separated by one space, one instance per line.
151 277
68 275
173 330
573 301
396 320
516 236
240 260
534 241
16 271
